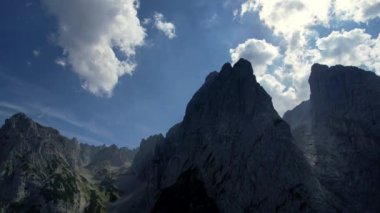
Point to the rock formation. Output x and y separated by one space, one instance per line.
339 131
230 153
232 149
40 170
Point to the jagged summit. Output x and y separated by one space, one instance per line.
230 94
242 67
233 148
19 117
21 123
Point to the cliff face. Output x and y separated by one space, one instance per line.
42 170
234 149
342 125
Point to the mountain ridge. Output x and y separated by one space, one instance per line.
221 147
232 152
42 170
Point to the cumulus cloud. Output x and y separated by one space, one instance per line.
355 47
262 54
259 52
283 97
286 17
99 39
300 46
162 25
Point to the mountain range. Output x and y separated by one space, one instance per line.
232 152
42 171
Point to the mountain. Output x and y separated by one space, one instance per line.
338 129
42 171
231 153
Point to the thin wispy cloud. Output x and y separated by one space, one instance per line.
12 106
69 119
41 113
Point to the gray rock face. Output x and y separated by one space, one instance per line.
42 170
239 150
300 120
341 123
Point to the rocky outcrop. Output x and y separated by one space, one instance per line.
42 170
340 128
234 149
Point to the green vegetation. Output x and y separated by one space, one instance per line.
96 205
110 190
61 188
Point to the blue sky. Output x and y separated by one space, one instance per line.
117 71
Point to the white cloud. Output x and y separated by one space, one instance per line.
90 32
355 47
235 13
259 52
283 98
286 17
161 24
61 62
146 21
301 45
357 10
247 6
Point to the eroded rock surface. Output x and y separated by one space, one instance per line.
42 171
341 124
241 149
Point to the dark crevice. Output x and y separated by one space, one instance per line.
187 195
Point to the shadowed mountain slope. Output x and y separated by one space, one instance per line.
339 131
41 170
234 148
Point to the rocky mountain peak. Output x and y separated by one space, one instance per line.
338 130
19 116
347 90
232 147
319 67
231 95
242 68
19 120
20 124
